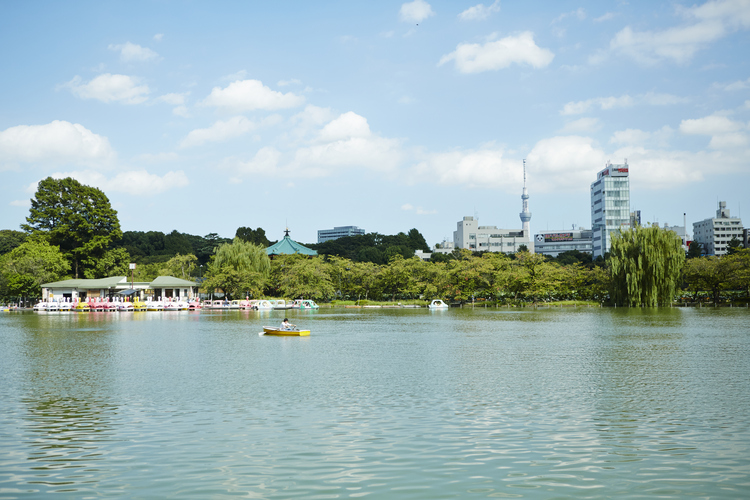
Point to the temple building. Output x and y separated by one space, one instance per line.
288 246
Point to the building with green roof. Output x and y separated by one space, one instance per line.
163 286
288 246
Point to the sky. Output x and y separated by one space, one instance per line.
203 117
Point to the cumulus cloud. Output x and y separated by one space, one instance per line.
344 127
565 162
479 12
130 52
733 86
250 95
486 167
108 88
56 143
133 182
219 132
499 54
725 133
416 11
707 23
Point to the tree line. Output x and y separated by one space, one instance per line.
72 231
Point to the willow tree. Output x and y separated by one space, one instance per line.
237 267
645 265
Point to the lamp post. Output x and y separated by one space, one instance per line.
132 274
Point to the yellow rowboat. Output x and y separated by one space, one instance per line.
272 330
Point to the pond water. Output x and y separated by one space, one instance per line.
377 403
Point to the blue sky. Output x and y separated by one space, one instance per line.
207 116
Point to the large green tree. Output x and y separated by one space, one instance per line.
236 268
645 265
10 239
77 218
28 266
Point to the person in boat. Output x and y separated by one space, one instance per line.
286 325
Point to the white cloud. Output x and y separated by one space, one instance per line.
292 81
630 137
158 37
415 11
734 86
709 22
56 143
479 12
219 132
564 163
344 127
481 168
108 87
407 206
133 182
499 54
581 125
725 133
250 95
173 99
579 13
624 101
130 52
21 203
604 17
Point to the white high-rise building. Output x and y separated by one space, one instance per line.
715 234
610 205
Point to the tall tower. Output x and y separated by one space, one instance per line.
525 214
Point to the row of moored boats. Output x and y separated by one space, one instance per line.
115 305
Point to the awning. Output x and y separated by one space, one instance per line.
127 293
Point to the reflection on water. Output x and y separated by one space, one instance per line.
594 403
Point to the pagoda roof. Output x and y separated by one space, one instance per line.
288 246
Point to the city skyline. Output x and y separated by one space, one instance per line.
387 116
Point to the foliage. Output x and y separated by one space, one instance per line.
733 246
10 239
77 218
155 246
257 236
28 266
694 250
181 266
645 265
300 276
114 262
236 268
718 274
373 247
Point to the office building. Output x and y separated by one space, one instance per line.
610 205
553 243
715 234
338 232
471 236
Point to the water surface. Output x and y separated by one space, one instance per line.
406 403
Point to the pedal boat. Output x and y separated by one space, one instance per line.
274 330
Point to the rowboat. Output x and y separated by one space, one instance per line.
274 330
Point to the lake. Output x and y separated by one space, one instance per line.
377 403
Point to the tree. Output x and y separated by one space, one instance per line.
114 262
76 218
304 277
30 265
238 267
694 250
10 239
181 266
645 265
733 246
257 236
